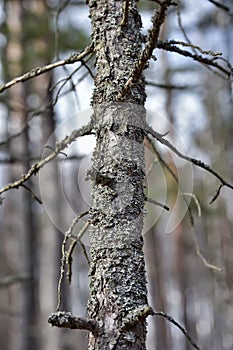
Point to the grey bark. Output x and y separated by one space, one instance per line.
117 273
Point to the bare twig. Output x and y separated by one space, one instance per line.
64 319
181 24
216 194
57 44
34 196
220 5
141 313
69 253
85 130
190 214
194 161
67 235
182 329
199 253
153 201
17 134
195 200
41 70
169 86
198 48
62 6
168 46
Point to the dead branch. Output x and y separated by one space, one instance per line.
41 70
33 195
69 253
63 319
169 46
85 130
220 5
196 47
216 194
194 161
152 41
153 201
170 86
67 235
181 328
190 214
141 313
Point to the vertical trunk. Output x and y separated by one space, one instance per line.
117 274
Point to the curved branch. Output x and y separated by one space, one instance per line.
182 329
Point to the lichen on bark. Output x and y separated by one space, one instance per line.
117 272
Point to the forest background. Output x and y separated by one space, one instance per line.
185 98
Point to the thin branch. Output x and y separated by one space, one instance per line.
220 5
168 46
17 134
64 319
84 63
57 31
196 47
190 214
67 235
181 24
85 130
152 42
34 196
201 256
182 329
216 194
69 258
169 86
153 201
195 200
41 70
57 44
194 161
18 159
10 280
137 315
36 112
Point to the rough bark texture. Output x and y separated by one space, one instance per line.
117 274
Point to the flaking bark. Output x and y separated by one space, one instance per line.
117 274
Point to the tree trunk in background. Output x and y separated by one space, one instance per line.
27 228
117 273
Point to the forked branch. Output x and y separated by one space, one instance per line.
85 130
41 70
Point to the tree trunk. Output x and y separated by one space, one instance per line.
117 274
